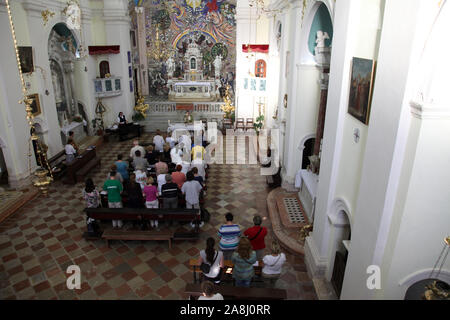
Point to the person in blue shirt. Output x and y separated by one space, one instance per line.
122 167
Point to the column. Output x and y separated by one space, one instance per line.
142 49
68 70
322 110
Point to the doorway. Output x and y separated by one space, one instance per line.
307 152
342 241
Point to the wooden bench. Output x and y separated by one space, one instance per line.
194 266
57 162
145 214
81 174
77 165
137 235
194 290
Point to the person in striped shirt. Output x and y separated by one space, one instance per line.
229 235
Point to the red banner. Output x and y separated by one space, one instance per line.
261 48
186 107
93 50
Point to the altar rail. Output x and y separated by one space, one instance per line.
166 107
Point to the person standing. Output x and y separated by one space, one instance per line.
214 258
178 177
151 198
136 147
273 264
91 194
71 153
141 176
158 140
134 193
243 260
161 167
114 189
229 234
169 193
122 167
256 235
191 189
138 161
118 175
150 155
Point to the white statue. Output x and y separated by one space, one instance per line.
170 66
321 37
73 14
218 65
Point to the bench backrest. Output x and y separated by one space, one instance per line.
143 214
240 293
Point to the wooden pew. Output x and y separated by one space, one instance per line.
194 266
239 293
137 235
144 214
81 174
57 162
77 165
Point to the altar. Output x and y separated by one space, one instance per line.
193 87
78 130
307 182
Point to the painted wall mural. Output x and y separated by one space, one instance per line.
172 25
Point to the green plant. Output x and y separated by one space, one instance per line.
138 117
259 123
77 119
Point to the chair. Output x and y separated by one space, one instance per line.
249 123
240 123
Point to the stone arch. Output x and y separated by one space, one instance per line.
340 231
420 275
306 56
302 145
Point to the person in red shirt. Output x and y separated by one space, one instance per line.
256 235
178 177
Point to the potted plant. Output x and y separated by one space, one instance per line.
259 123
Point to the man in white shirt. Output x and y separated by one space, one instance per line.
191 189
70 152
135 148
158 140
170 141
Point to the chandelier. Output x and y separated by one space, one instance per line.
44 173
437 289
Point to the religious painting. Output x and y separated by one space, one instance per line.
26 59
262 85
172 26
117 84
245 83
35 104
361 89
253 84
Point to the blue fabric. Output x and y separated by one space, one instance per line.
122 169
243 283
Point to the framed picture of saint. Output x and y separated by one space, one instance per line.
26 59
361 84
35 104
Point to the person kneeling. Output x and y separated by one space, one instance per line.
208 292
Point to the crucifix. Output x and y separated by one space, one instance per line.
356 135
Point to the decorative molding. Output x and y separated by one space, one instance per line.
337 219
301 145
422 275
430 111
315 265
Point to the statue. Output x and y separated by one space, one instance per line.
218 65
170 66
141 107
321 37
187 117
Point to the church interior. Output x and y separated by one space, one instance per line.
321 127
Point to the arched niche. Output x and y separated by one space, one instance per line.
416 290
103 68
306 147
340 230
318 18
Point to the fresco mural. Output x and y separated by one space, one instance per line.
210 24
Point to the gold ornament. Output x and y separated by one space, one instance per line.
140 106
228 108
46 14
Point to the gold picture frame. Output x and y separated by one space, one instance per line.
361 86
35 104
26 59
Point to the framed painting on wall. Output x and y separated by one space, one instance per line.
26 59
361 84
35 104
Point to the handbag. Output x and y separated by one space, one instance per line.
206 267
257 234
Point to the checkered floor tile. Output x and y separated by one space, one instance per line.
41 240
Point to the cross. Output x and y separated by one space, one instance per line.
356 135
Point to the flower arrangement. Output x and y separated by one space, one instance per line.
228 108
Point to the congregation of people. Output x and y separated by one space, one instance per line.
159 176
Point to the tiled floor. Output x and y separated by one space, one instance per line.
44 237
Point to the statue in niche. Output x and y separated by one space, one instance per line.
170 66
321 37
218 65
